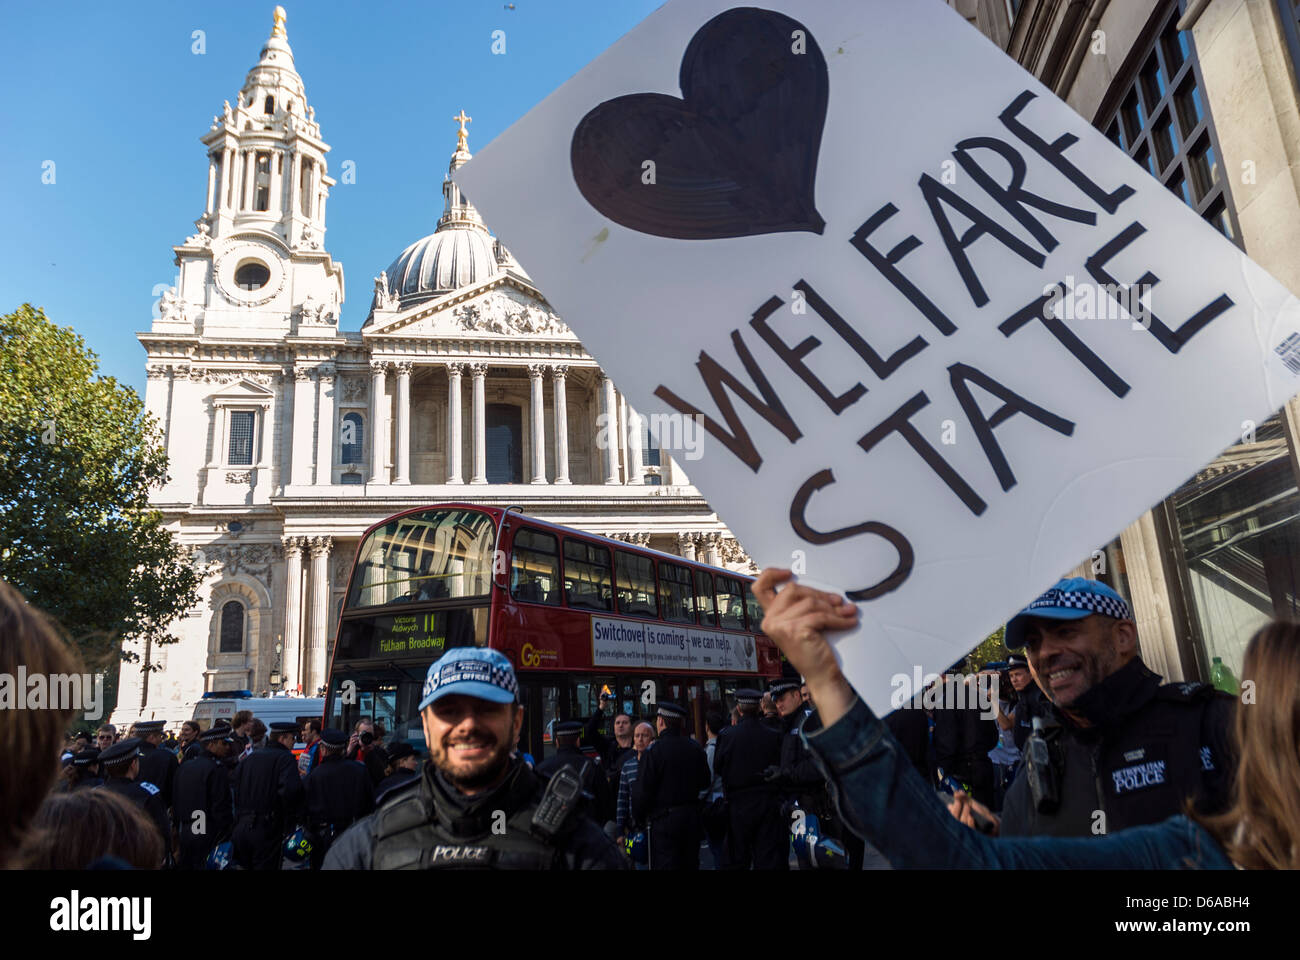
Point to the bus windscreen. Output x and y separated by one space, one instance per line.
403 636
432 555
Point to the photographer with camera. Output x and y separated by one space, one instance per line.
365 748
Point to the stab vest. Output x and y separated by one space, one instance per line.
421 829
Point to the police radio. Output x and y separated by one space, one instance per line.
1044 784
561 798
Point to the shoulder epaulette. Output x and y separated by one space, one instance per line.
149 787
1185 692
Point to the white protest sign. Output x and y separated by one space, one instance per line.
945 337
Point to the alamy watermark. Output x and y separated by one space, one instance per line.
53 691
952 692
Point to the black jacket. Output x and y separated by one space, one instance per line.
158 766
1150 747
590 772
962 735
267 783
671 774
1029 704
742 755
202 784
799 778
148 798
338 792
430 824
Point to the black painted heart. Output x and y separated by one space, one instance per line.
736 156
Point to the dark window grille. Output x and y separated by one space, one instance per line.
232 627
354 430
1163 122
241 438
504 439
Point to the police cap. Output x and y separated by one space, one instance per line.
123 750
749 697
399 750
150 726
672 710
778 687
86 757
284 726
1017 661
334 738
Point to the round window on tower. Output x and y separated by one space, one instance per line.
252 275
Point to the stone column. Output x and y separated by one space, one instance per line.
325 425
264 456
291 663
558 374
635 459
1150 592
247 196
479 372
295 168
686 545
320 615
711 556
454 469
212 181
402 470
378 409
537 435
304 416
609 411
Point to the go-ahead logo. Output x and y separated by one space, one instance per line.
530 656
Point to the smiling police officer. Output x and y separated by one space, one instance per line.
1115 741
474 806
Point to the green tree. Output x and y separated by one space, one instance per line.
991 649
78 457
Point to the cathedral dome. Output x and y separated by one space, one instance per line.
441 262
459 253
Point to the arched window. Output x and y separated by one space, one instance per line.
269 107
351 437
505 448
232 627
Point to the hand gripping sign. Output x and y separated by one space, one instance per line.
852 240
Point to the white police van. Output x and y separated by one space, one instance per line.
224 704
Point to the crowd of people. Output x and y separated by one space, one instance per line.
1087 759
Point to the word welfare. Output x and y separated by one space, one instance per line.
1026 209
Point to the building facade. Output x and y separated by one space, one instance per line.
1204 95
287 436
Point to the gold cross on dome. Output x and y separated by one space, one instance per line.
460 137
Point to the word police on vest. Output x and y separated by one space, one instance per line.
75 913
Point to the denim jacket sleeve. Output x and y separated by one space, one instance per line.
884 800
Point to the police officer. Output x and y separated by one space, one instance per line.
268 800
157 763
339 792
201 797
963 737
1120 742
757 834
1029 699
404 763
474 805
588 771
121 765
666 795
85 769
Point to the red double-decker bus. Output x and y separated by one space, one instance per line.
577 615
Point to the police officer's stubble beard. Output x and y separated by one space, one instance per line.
471 776
1101 647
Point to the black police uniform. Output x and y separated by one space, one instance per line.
666 795
268 804
201 785
757 835
158 766
339 792
431 825
148 798
587 770
1030 703
962 741
1150 746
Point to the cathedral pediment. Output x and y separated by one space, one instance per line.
242 388
500 309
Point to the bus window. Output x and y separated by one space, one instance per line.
676 597
636 585
704 598
754 611
731 604
535 567
587 580
431 555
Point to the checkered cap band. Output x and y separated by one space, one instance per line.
471 670
1081 600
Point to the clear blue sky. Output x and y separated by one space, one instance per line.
114 95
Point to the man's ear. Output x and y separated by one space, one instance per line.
518 722
1125 634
